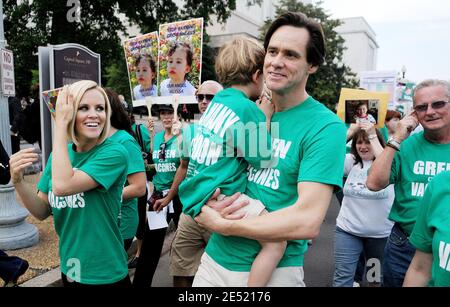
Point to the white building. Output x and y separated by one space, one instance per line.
361 44
245 20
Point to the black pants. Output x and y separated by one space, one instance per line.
11 267
151 249
142 211
124 283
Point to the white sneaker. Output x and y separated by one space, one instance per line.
356 284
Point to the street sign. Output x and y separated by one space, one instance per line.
8 87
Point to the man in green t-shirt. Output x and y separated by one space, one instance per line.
297 191
431 236
411 168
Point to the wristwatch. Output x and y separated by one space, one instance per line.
393 143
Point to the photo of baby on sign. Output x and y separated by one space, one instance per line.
180 60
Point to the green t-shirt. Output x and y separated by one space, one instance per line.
413 167
90 243
129 217
310 148
231 134
431 233
165 168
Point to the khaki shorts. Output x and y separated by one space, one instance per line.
187 247
211 274
190 239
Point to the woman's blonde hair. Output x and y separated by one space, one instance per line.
77 90
238 60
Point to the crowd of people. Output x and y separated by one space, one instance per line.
249 184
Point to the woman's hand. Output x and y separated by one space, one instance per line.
19 162
369 128
150 125
64 111
177 127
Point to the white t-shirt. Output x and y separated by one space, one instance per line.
184 89
364 213
138 94
368 119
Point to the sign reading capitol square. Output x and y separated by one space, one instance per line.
73 62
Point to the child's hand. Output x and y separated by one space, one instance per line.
265 104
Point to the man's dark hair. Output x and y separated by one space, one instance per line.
315 49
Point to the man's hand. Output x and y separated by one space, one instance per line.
212 220
406 126
227 206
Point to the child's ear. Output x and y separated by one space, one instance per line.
188 69
256 76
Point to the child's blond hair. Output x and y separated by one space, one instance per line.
238 60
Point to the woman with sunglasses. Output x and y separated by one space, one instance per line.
167 159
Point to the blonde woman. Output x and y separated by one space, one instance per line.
82 187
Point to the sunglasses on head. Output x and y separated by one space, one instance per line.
208 97
435 105
162 151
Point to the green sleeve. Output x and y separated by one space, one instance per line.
323 158
422 235
145 138
135 161
107 165
44 182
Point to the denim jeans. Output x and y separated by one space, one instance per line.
347 251
398 254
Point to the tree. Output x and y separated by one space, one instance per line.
33 23
325 85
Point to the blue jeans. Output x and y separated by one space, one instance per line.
347 251
398 254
